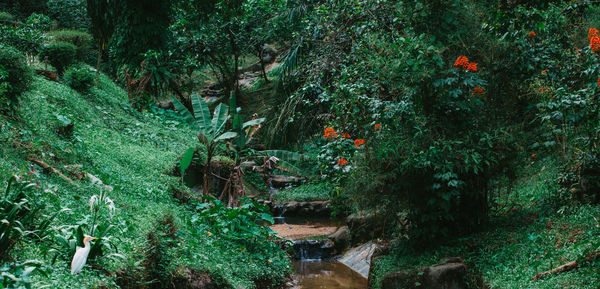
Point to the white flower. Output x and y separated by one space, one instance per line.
93 202
110 205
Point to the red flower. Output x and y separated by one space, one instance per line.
533 156
595 43
377 126
592 33
531 34
598 81
346 135
330 133
461 62
477 91
472 67
342 162
358 143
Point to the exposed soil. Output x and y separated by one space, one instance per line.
290 231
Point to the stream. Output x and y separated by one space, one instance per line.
314 266
312 274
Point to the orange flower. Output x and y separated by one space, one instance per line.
531 34
461 62
342 162
595 43
533 156
358 143
477 91
330 133
592 32
472 67
545 71
346 135
377 126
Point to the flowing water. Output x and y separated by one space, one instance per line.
320 274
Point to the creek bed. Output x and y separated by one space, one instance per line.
321 274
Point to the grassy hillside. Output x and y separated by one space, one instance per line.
131 151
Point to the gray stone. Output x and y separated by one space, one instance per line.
448 275
341 238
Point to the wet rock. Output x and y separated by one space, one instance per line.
359 258
365 226
450 274
279 182
341 238
313 249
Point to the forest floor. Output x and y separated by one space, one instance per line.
533 231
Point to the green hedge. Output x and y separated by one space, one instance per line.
15 77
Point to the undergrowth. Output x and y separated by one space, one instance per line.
134 152
534 234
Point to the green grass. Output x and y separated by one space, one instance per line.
129 150
536 236
305 193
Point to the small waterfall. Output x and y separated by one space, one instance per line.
313 249
278 212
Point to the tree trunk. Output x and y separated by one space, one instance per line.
98 63
262 64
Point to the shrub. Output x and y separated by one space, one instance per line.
75 37
15 76
39 21
79 78
23 38
60 55
69 13
5 16
17 212
78 38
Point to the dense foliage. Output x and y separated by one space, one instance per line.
455 122
15 77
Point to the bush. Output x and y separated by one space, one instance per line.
15 76
78 38
79 78
60 55
23 38
75 37
5 16
39 22
69 13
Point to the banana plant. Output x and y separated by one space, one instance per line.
211 131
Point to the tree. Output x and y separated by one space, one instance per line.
101 13
142 25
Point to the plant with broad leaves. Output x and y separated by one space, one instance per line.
211 131
17 275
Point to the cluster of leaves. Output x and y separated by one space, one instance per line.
16 76
244 225
80 78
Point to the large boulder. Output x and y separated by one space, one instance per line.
365 226
450 274
341 239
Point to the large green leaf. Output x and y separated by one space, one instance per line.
184 113
226 136
253 122
202 113
186 160
219 119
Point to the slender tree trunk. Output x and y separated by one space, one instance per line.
207 170
262 65
98 63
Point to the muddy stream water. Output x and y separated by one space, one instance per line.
312 272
